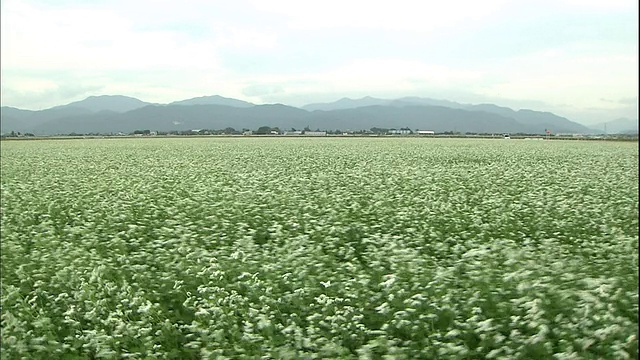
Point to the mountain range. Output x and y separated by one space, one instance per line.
117 113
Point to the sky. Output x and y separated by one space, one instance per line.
575 58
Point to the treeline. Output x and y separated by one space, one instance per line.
268 130
18 134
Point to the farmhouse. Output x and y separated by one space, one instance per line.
315 133
426 132
293 133
403 131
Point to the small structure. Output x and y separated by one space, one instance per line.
507 136
403 131
293 133
426 132
247 132
315 133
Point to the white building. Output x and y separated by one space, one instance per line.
426 132
400 132
315 133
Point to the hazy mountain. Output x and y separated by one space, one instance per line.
346 103
617 126
413 100
12 119
436 118
117 103
213 100
103 114
180 117
536 121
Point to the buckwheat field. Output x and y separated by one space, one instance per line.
361 248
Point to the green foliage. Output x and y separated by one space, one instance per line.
323 248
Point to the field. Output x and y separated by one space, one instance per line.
275 248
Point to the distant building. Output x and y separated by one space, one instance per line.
403 131
315 133
293 133
247 132
426 132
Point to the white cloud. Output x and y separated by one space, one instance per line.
397 15
559 77
598 5
280 50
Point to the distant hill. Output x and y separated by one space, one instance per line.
346 103
12 119
113 114
213 100
536 121
117 103
180 117
436 118
617 126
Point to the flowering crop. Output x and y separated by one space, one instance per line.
319 248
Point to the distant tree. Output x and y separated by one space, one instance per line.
263 130
230 130
377 130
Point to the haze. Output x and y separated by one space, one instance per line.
578 59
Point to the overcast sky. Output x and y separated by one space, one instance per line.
576 58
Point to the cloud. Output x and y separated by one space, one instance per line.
86 38
399 15
628 101
262 89
560 54
47 93
599 5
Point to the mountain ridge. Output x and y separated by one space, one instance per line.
116 113
213 100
